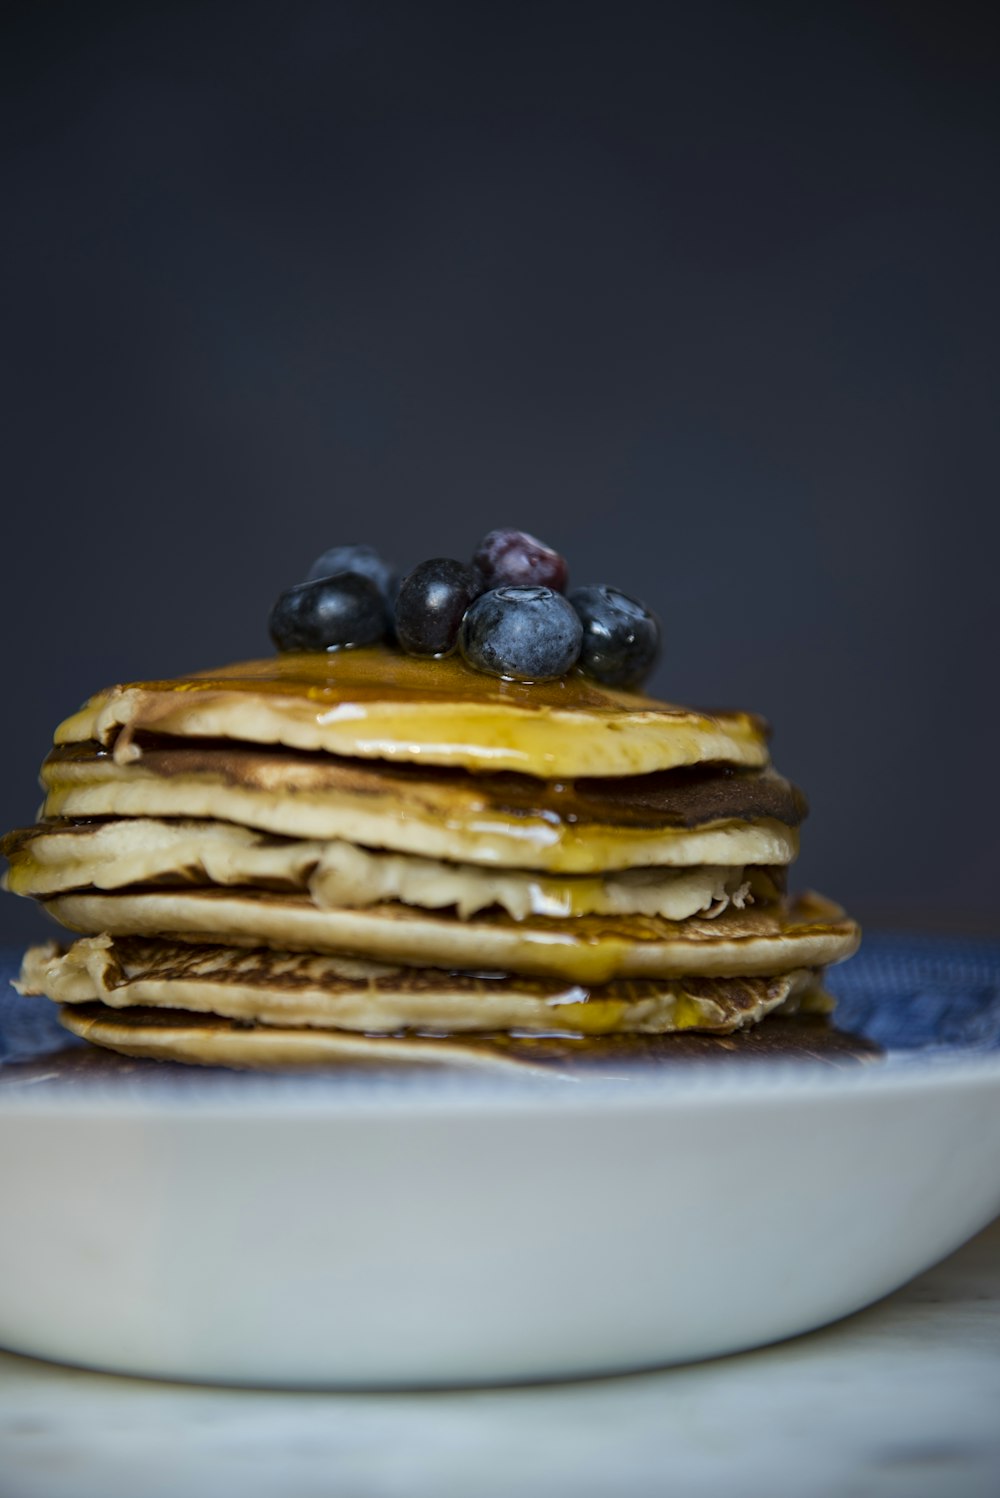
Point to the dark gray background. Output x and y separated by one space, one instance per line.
706 295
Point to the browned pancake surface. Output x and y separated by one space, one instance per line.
164 1033
687 797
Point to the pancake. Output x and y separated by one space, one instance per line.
616 1058
296 989
710 815
377 703
809 932
205 1040
56 857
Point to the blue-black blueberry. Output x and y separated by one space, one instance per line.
344 609
509 558
364 560
621 637
528 634
430 605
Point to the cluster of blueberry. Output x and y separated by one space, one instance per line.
507 612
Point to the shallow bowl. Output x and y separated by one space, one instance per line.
420 1229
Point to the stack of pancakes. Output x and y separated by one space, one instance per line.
362 855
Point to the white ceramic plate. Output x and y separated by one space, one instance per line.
430 1229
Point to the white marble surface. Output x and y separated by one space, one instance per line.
901 1401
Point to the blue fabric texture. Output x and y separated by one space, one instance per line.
918 992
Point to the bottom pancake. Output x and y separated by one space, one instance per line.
802 1036
170 1035
263 986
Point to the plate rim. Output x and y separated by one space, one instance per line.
282 1095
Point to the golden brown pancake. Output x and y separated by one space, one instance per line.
56 856
377 703
301 989
681 818
208 1040
797 1036
809 932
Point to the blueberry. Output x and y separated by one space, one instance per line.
621 638
509 558
529 634
431 602
364 560
345 609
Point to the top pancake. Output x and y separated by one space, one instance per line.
380 704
